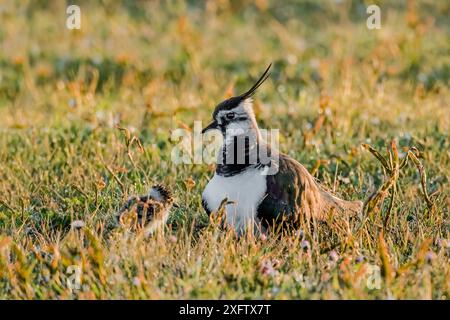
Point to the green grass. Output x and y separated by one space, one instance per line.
155 67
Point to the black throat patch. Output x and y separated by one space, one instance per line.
242 153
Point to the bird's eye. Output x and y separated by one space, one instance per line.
230 115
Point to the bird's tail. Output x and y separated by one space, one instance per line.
330 201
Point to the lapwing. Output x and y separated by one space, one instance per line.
262 188
151 210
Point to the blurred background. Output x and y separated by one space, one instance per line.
179 58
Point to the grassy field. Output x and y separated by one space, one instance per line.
154 67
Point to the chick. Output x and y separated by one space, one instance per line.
151 210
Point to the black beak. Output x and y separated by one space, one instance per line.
211 126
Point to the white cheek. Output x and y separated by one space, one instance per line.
235 129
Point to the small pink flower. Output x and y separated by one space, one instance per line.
430 256
300 234
267 268
305 245
136 281
333 256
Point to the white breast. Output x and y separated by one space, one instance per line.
246 190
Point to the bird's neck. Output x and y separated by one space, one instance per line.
239 152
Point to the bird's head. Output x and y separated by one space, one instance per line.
235 116
161 194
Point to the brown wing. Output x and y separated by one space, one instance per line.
293 193
283 192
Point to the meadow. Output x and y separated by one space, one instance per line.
86 120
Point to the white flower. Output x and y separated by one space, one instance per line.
77 224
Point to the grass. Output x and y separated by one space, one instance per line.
152 68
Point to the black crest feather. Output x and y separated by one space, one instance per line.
233 102
258 83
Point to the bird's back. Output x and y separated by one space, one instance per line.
293 193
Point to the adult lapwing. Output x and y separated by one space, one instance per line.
263 186
151 210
